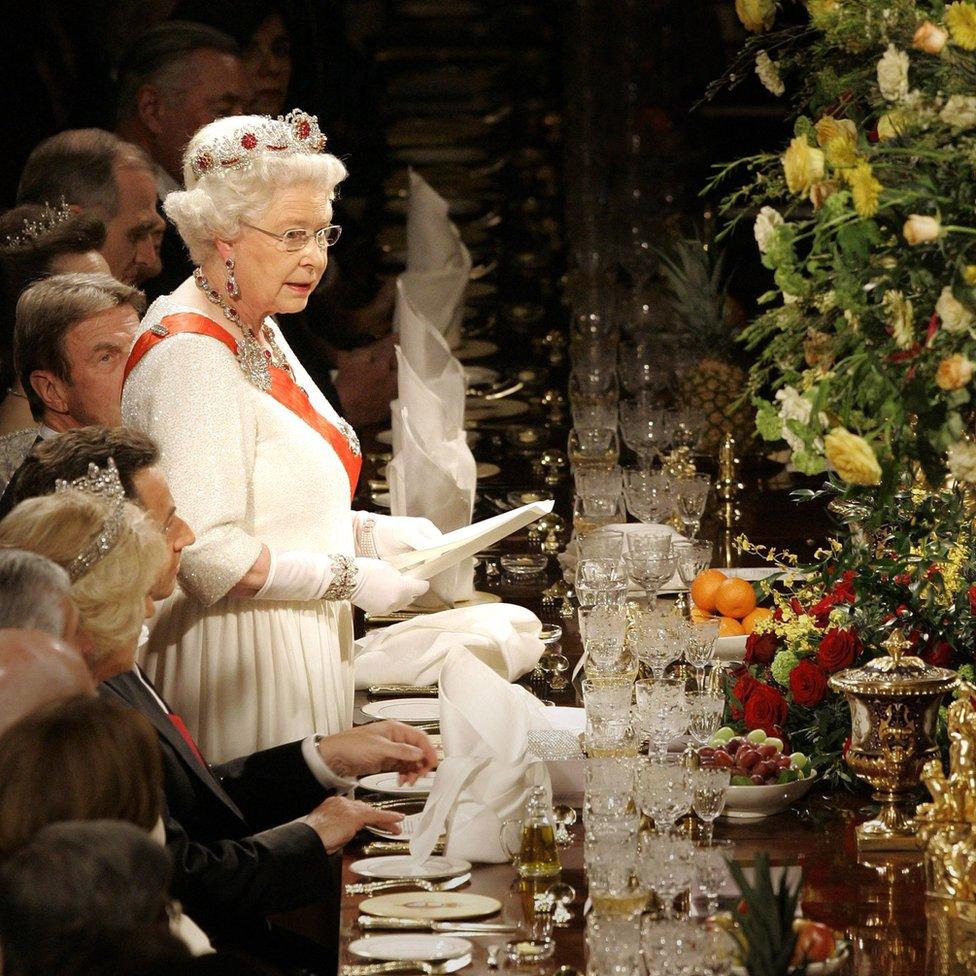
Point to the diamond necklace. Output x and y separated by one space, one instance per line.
251 355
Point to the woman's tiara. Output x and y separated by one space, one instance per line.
287 135
103 483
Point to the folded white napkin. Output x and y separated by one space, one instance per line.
439 297
487 770
500 635
433 242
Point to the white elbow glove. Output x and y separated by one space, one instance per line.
371 584
381 536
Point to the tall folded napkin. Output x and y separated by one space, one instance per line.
433 242
500 635
487 770
439 297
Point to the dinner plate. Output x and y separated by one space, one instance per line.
485 469
428 155
480 289
405 709
408 827
431 906
392 867
480 375
475 349
410 946
390 783
494 409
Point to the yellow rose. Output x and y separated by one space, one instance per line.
852 457
954 372
830 128
920 229
756 15
929 38
891 124
969 274
803 165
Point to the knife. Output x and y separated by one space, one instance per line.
393 847
396 690
371 922
407 966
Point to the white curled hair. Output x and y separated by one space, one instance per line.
213 205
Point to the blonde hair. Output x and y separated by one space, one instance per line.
213 205
111 596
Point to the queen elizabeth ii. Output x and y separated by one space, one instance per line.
256 647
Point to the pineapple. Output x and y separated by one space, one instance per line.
766 929
694 277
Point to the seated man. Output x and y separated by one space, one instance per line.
72 337
36 609
224 872
96 172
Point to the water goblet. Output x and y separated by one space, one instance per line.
653 642
594 415
650 572
648 540
700 648
596 512
692 557
712 872
665 866
612 944
603 630
710 784
599 482
602 544
692 495
664 790
648 495
662 710
705 709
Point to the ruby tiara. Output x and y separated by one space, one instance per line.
101 483
33 229
296 132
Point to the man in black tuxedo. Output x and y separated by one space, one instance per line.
243 841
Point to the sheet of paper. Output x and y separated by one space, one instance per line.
465 542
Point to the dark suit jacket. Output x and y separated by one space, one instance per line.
7 498
235 855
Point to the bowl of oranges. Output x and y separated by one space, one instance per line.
718 596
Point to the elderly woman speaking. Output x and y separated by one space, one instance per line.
256 648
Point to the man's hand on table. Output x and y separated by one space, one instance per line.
380 747
337 820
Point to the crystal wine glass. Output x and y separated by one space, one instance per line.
700 648
710 784
705 710
664 790
662 710
692 496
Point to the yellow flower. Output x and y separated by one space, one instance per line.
961 21
920 229
803 165
756 15
820 192
838 137
892 124
865 189
821 10
852 457
954 372
969 274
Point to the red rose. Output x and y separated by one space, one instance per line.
838 649
808 682
940 654
766 709
761 647
972 598
847 747
743 689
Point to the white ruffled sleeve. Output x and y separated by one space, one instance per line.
188 393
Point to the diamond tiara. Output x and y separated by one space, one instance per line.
33 229
101 483
296 132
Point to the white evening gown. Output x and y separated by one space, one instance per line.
244 470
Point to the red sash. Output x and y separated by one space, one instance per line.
283 388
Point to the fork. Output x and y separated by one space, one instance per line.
371 887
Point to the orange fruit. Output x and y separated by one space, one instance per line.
750 620
729 627
735 598
704 587
699 616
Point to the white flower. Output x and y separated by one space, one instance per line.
893 74
901 317
954 315
793 405
959 111
768 71
766 223
962 461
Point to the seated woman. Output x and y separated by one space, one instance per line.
107 759
258 648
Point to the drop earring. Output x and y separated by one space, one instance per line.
231 285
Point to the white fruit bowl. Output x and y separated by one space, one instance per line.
753 802
730 648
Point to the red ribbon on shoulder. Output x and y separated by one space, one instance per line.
283 388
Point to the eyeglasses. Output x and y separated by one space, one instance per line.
297 239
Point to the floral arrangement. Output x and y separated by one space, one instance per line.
835 614
865 349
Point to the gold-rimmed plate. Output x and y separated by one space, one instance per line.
431 906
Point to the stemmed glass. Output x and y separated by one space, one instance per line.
664 791
705 710
700 648
596 512
665 866
644 429
710 784
603 630
613 944
650 561
648 495
653 640
662 710
692 496
691 558
712 869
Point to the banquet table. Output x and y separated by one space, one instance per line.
877 902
